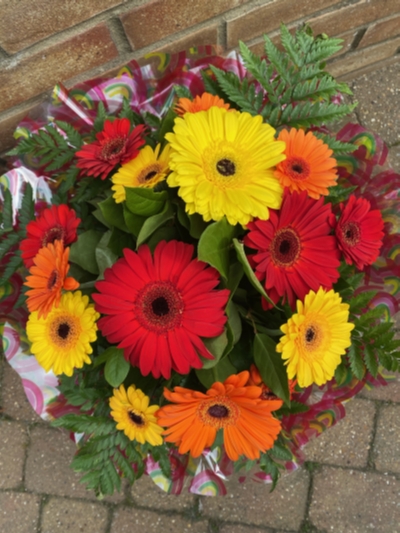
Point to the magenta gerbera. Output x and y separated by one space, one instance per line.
115 145
159 307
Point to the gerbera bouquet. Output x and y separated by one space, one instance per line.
196 252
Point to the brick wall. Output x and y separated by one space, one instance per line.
47 41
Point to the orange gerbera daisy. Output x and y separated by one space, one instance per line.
199 103
194 417
308 165
48 278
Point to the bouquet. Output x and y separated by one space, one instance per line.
201 267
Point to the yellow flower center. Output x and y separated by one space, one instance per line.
314 338
218 412
64 331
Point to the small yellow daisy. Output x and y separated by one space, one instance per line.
61 341
134 416
146 170
316 337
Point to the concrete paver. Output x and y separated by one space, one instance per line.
350 501
388 393
13 442
387 440
129 520
236 528
253 503
62 515
14 400
146 493
19 512
348 442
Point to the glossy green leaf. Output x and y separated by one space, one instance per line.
145 202
113 213
270 364
249 271
216 346
83 251
117 367
133 222
151 224
105 258
214 245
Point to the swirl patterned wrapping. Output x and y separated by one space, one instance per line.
149 87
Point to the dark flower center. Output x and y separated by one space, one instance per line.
53 234
159 307
218 411
113 148
310 334
136 419
63 330
297 168
150 175
351 233
226 167
285 247
53 278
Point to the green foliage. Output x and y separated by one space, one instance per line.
271 367
287 88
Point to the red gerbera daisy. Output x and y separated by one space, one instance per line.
159 307
56 223
359 232
115 145
295 251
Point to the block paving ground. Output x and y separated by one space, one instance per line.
349 484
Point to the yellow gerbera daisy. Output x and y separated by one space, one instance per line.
61 341
134 416
223 164
316 337
146 170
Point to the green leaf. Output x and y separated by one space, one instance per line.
270 364
167 125
117 367
239 247
215 244
216 346
219 372
133 222
105 258
113 213
152 223
83 251
145 202
7 214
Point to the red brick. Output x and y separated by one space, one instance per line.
349 76
381 31
155 20
354 61
31 76
267 18
208 35
23 24
352 16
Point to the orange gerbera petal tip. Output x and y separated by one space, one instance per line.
48 278
193 418
308 165
199 103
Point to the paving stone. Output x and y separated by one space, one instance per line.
19 512
387 439
378 94
13 442
237 528
14 400
64 515
48 466
146 493
253 504
387 393
349 501
348 442
130 520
